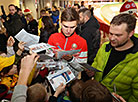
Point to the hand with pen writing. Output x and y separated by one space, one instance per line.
119 97
67 57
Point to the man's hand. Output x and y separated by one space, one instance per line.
27 64
10 41
2 20
119 97
67 57
21 46
60 89
89 72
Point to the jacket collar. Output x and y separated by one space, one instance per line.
67 36
133 38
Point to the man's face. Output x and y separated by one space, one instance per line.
118 36
76 8
81 18
68 27
43 14
20 13
12 10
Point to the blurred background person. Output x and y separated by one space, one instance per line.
32 26
19 11
55 16
47 29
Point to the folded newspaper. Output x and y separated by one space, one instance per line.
61 76
40 47
24 36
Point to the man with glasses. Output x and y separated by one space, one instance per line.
67 39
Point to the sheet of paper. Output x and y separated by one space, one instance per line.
62 76
30 39
70 52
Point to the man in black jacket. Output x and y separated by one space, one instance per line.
13 24
90 32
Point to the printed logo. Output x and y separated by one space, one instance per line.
74 46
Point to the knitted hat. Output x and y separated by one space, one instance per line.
6 61
129 7
27 11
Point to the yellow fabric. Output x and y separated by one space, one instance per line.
10 82
6 61
40 23
31 76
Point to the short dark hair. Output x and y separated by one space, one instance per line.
69 14
77 5
12 5
43 10
74 88
128 19
55 7
85 11
93 91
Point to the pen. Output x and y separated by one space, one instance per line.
59 47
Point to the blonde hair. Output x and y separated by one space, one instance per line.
29 16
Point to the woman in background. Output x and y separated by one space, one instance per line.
47 29
32 26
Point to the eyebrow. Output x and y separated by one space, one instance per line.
68 26
115 34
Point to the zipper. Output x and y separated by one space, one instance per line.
65 43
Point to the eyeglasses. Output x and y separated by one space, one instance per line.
66 27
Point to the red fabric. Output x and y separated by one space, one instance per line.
103 27
27 10
127 6
4 91
73 42
44 72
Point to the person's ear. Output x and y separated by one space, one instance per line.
131 33
86 18
67 92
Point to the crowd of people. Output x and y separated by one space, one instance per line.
116 60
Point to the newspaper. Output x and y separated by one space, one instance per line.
61 76
24 36
70 52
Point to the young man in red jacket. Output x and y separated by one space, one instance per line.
67 39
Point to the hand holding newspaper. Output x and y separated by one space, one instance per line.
26 37
61 76
70 52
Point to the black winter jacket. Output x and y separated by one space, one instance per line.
90 32
13 25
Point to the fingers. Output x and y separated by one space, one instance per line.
10 41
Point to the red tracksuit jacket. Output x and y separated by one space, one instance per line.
74 42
